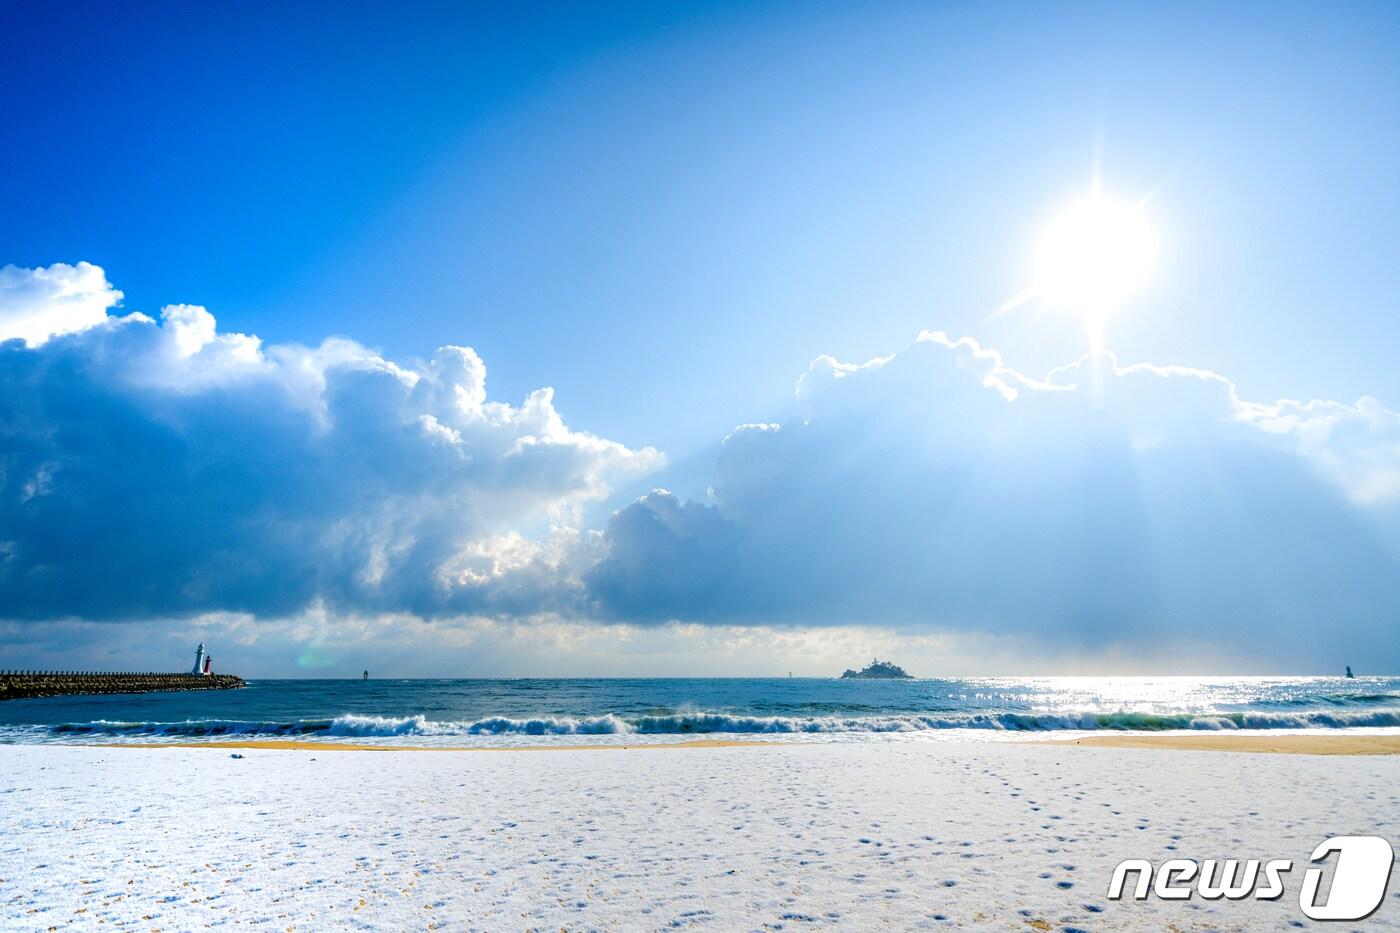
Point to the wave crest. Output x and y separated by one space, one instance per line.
693 723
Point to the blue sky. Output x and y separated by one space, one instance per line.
666 212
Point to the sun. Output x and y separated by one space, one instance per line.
1093 257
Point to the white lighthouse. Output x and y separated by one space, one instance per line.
199 660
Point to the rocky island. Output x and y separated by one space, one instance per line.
878 670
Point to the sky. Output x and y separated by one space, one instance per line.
684 338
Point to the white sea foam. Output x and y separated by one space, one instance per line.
708 723
494 725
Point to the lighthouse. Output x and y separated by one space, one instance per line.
199 660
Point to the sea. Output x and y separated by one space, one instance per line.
630 711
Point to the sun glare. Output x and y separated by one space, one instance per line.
1093 257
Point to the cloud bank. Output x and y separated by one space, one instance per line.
1107 505
163 469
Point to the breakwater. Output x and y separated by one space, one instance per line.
16 685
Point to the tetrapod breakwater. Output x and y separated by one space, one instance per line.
17 685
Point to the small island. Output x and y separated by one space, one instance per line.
879 670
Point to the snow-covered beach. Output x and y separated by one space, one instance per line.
880 834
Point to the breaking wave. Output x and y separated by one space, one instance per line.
707 723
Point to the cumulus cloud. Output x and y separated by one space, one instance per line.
939 489
315 504
167 468
36 304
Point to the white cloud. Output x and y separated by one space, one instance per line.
36 304
1358 446
170 468
940 490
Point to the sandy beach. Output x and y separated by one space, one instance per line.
295 745
870 835
1292 744
1289 744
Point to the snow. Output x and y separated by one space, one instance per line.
881 834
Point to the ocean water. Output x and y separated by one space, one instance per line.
531 711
